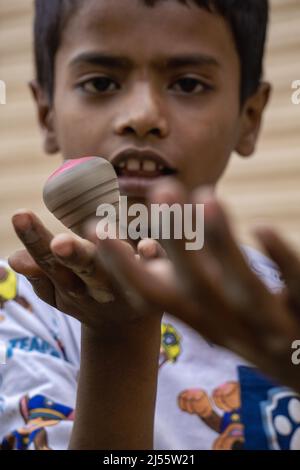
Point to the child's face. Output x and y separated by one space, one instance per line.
176 90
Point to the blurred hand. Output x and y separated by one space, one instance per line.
216 292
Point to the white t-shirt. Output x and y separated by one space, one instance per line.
208 398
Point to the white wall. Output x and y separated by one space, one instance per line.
265 187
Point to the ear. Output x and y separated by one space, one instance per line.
45 114
251 119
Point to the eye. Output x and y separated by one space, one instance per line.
99 85
189 85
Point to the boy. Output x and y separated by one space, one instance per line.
183 81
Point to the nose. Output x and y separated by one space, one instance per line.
142 115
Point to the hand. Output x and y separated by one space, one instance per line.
74 275
215 291
195 402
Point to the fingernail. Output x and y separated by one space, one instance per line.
23 222
25 228
63 251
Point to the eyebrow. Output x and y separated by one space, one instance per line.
121 62
105 60
191 59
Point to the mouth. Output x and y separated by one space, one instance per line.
138 170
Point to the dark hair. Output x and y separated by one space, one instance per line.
248 20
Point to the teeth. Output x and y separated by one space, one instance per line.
149 165
137 165
133 165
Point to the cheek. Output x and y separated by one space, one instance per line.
80 129
209 143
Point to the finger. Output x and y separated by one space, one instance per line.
219 237
91 234
81 256
287 260
199 276
160 292
113 254
223 295
36 238
44 289
107 261
150 249
146 288
240 285
243 290
191 266
22 263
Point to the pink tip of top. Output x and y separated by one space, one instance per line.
68 165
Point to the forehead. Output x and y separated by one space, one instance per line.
142 33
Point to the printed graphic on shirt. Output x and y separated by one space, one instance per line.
9 289
221 412
60 346
252 414
170 348
8 292
39 413
271 414
31 344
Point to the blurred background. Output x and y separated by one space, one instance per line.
264 188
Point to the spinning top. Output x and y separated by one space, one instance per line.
74 191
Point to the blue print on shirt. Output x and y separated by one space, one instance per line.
30 344
270 413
